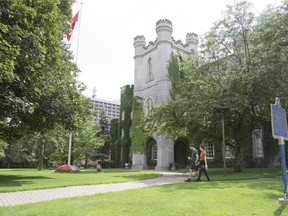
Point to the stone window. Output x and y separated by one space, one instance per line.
154 151
148 105
150 76
210 151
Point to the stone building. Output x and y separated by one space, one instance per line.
110 108
151 83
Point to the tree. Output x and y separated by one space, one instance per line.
86 143
25 152
104 133
270 47
39 88
229 72
3 145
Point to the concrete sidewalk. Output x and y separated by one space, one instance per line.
34 196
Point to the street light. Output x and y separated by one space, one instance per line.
222 110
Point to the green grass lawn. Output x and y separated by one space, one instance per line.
228 198
29 179
217 174
244 194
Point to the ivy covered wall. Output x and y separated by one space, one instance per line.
139 137
125 123
115 150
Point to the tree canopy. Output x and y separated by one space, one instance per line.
242 65
39 87
38 79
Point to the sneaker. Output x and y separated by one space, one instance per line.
188 180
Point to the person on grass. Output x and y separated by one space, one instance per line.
203 166
194 162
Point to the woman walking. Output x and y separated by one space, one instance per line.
203 164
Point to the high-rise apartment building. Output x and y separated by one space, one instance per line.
111 109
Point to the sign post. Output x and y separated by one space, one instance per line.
280 132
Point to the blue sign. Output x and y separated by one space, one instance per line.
279 122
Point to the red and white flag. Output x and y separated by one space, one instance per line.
74 20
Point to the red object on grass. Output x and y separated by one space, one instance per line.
68 168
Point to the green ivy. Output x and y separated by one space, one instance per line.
139 136
125 122
114 132
175 74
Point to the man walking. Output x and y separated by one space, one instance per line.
194 161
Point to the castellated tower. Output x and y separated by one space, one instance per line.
164 30
151 83
192 41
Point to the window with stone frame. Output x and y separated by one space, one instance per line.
150 76
210 150
148 105
154 151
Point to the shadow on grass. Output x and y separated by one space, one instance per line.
280 210
105 170
16 180
220 185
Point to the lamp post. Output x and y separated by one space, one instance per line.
222 110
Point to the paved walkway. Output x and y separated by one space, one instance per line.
34 196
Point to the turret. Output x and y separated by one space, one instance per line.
139 44
192 41
164 29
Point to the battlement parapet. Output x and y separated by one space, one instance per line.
139 41
164 25
164 35
150 45
192 38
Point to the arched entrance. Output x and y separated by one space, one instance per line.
180 153
151 153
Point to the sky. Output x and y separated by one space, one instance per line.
102 41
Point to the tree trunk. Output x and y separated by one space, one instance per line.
41 155
86 162
237 135
237 161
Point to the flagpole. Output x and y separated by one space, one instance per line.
76 59
78 33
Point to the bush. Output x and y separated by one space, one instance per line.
107 164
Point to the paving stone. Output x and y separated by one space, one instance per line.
34 196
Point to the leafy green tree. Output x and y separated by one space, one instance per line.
86 143
3 146
39 88
25 152
270 47
235 69
104 133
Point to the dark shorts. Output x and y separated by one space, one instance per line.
193 167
